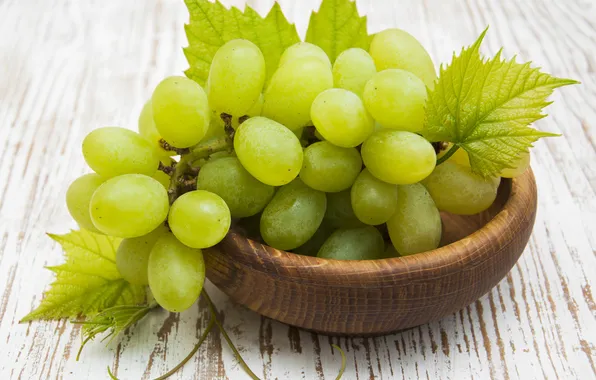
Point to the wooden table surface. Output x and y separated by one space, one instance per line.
69 66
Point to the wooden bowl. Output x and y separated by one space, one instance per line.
377 297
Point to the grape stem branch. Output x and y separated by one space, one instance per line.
449 153
166 146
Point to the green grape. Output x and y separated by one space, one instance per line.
340 117
312 246
216 128
269 151
339 213
257 107
293 215
352 69
459 157
396 98
519 167
132 256
176 273
373 200
329 168
303 50
398 157
397 49
457 190
251 227
148 131
199 219
292 90
416 225
129 205
78 197
180 111
162 177
113 151
226 177
236 77
365 243
390 252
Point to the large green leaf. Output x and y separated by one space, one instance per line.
486 107
212 25
88 281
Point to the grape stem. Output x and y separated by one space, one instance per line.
207 148
166 146
177 176
449 153
227 338
166 169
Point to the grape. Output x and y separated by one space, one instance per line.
352 69
113 151
162 177
78 197
270 152
215 129
398 157
199 219
257 107
416 225
340 117
180 111
395 98
519 167
339 213
459 157
303 50
244 195
390 252
132 256
457 190
176 273
364 243
397 49
329 168
129 205
312 246
293 88
293 215
148 131
373 200
236 77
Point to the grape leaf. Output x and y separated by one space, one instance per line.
211 25
485 106
337 26
88 281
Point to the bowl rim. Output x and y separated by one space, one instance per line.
446 259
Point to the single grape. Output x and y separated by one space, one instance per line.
339 213
257 107
340 117
303 50
395 98
365 243
312 246
78 197
180 111
200 219
215 129
390 251
147 129
226 177
132 256
352 69
373 200
398 157
176 273
236 77
129 205
397 49
459 157
113 151
162 177
269 151
293 215
457 190
329 168
522 164
251 227
293 88
416 224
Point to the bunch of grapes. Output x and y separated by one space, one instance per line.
318 159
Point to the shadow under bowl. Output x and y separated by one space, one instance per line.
375 297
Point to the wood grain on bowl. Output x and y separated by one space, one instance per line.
381 296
